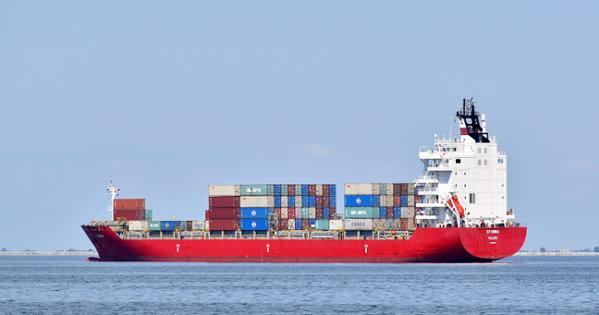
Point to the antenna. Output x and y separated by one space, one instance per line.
114 192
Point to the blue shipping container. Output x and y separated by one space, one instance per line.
403 201
298 224
305 190
376 201
396 213
254 225
278 201
312 201
291 202
254 213
333 190
382 213
168 225
359 201
333 202
326 213
278 190
312 222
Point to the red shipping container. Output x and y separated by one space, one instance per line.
326 201
282 225
326 190
389 212
278 212
312 190
129 204
223 224
224 202
403 224
319 202
396 201
291 190
332 213
291 213
128 214
319 213
224 213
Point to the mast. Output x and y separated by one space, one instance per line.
114 192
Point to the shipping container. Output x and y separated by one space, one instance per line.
312 190
311 213
357 224
322 224
291 224
298 190
359 189
198 226
223 213
319 189
148 215
168 225
254 190
359 201
128 214
319 213
282 225
254 225
291 213
326 213
359 212
224 202
254 212
138 225
298 201
298 224
291 190
256 201
403 201
284 213
129 204
382 213
277 189
396 212
223 225
223 190
389 212
154 226
336 225
408 212
277 202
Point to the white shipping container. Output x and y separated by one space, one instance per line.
357 224
335 225
284 201
198 225
291 224
223 190
207 225
257 201
319 190
359 189
138 225
311 213
284 213
298 201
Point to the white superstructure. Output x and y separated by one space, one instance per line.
464 181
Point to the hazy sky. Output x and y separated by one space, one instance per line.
167 97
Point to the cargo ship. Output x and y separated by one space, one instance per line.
456 211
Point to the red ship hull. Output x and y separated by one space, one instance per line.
425 245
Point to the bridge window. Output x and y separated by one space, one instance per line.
458 161
472 198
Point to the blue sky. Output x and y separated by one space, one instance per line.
167 97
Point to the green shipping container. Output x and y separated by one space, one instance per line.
284 190
361 212
153 225
305 213
148 215
322 224
256 190
298 189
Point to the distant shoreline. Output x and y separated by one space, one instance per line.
555 253
49 253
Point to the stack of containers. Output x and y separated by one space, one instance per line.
385 204
224 208
129 209
276 206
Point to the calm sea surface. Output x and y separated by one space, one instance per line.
58 285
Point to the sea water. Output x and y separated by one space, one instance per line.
536 285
